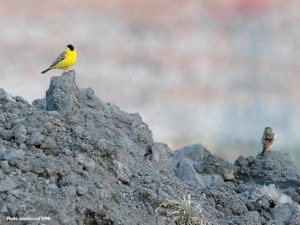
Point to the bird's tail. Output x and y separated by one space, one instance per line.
46 70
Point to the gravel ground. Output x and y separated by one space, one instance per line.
71 158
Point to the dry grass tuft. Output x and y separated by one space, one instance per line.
183 212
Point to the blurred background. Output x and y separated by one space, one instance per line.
198 71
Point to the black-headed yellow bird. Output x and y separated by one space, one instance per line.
64 60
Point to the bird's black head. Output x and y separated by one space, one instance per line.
71 47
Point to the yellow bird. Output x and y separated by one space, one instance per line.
64 60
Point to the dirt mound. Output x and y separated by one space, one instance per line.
72 159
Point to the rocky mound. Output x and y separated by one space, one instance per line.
261 190
72 159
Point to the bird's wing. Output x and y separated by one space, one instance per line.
267 143
267 140
59 58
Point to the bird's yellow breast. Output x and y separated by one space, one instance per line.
69 60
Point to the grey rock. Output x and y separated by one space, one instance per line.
9 184
19 133
12 154
5 96
36 139
2 148
64 219
5 166
16 193
81 190
23 165
49 143
193 162
186 172
4 210
52 187
39 103
161 156
53 113
78 131
63 96
2 176
22 100
104 194
123 172
7 134
283 214
69 191
274 168
88 163
67 152
2 118
263 203
12 210
19 121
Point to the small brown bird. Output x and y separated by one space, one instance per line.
267 139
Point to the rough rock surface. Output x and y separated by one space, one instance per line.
72 159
